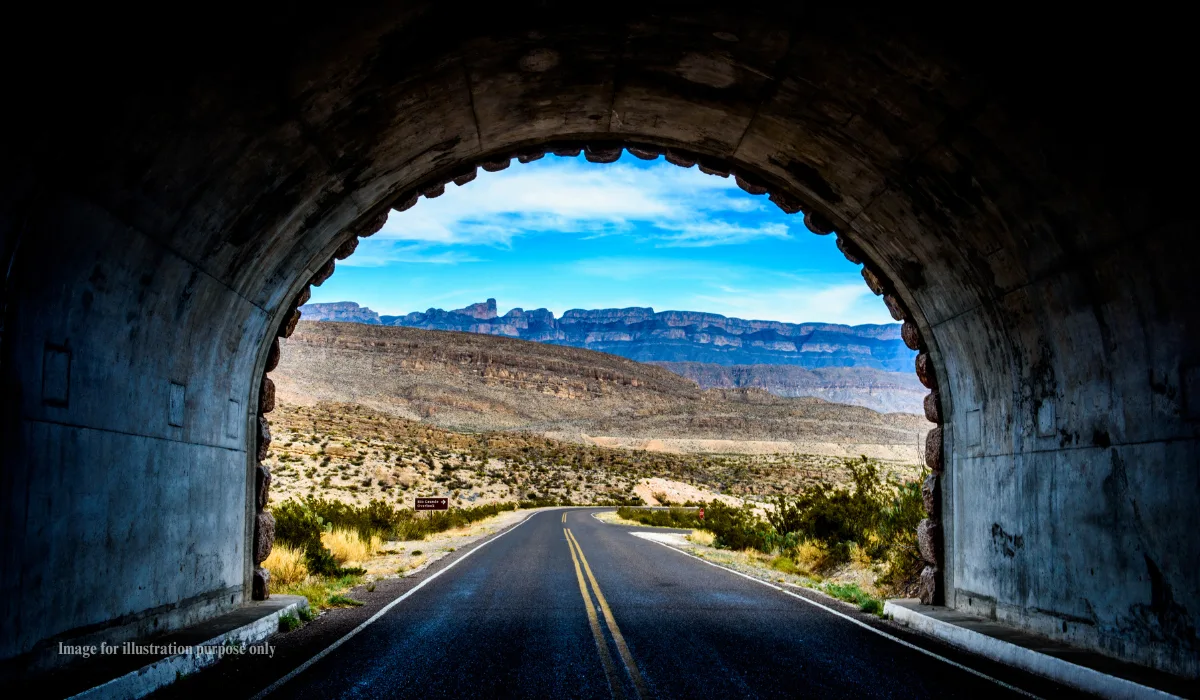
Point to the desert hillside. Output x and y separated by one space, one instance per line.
354 454
646 335
858 386
470 382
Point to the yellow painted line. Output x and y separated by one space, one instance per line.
631 665
610 671
564 516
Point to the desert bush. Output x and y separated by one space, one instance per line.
296 525
898 528
348 546
312 516
286 564
785 565
736 528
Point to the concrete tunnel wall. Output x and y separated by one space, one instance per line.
154 247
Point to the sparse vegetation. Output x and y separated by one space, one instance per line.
375 456
851 593
673 517
348 546
323 592
289 622
286 565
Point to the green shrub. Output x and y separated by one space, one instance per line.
898 529
851 593
737 528
306 519
673 517
785 565
288 622
296 525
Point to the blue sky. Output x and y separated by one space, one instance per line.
563 233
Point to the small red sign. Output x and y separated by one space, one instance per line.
433 504
700 514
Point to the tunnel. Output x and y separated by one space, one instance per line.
1016 187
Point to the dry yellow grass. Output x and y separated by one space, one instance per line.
348 547
286 565
701 537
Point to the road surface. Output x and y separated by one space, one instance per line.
564 606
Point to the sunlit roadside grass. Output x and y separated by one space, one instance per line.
349 547
286 565
324 593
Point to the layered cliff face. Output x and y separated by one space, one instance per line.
477 382
886 392
642 334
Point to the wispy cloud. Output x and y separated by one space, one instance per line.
841 303
702 235
679 207
380 253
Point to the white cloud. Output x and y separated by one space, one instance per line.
699 235
851 303
681 207
379 253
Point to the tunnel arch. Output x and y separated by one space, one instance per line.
930 530
156 249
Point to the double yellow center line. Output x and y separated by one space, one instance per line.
614 680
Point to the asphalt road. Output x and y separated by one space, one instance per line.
564 606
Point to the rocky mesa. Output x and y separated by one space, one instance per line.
471 382
866 365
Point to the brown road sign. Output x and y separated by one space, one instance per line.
433 503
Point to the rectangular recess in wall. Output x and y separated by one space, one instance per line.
974 425
56 375
233 419
175 404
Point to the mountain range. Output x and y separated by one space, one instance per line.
475 383
866 365
646 335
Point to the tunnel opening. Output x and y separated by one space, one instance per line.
318 348
1044 272
928 533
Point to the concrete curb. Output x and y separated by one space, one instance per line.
149 678
1044 665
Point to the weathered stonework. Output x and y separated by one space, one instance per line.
929 541
930 591
933 450
933 411
261 586
323 273
264 438
911 335
262 487
925 371
931 496
266 396
273 355
264 536
347 248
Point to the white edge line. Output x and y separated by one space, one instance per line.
844 616
346 637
